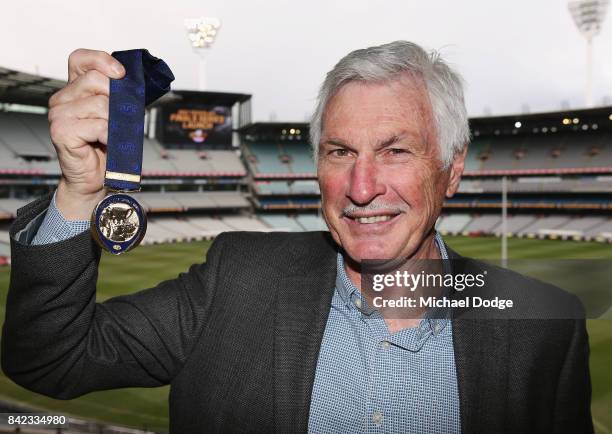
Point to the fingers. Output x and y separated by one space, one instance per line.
91 107
73 134
82 60
91 83
92 130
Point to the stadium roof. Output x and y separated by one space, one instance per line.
197 97
23 88
272 127
581 119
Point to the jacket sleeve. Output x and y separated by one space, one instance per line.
59 342
573 398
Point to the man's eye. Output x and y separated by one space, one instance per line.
398 151
339 152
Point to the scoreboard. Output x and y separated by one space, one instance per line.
195 124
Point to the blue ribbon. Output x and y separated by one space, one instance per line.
147 78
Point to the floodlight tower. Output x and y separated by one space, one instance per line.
588 16
202 33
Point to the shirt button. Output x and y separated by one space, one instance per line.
377 418
386 344
358 303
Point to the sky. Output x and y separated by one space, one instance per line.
515 56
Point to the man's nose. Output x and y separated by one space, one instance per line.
365 180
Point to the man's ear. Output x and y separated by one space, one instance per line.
456 169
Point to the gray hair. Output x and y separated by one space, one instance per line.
386 63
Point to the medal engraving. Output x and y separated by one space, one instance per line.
118 223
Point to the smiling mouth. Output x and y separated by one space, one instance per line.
372 219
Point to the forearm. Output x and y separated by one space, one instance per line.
59 342
50 304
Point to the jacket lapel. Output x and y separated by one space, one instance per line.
481 358
302 307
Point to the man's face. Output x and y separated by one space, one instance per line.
379 170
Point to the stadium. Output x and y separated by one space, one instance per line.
535 186
557 167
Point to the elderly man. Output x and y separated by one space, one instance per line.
270 333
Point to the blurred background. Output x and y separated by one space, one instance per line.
228 148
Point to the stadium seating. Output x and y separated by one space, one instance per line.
483 224
184 201
453 224
266 159
272 187
601 232
298 187
189 228
244 223
290 159
193 200
39 125
515 224
301 159
281 222
559 183
10 206
560 150
305 186
311 222
160 161
154 162
543 223
20 139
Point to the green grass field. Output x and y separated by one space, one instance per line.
148 265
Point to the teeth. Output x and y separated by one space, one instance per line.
374 219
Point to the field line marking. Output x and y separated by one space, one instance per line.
600 426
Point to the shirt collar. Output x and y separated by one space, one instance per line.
352 297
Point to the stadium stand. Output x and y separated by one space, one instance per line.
184 201
243 223
305 186
20 139
277 150
311 222
209 226
453 224
558 167
300 159
543 223
515 224
281 222
562 150
482 224
10 206
187 228
266 159
272 187
298 187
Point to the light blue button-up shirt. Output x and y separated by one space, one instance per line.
370 380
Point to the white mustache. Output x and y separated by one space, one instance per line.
351 210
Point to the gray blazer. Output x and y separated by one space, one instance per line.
238 337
